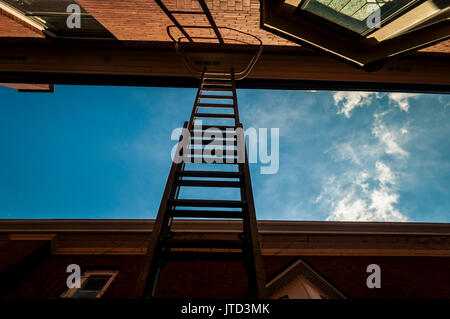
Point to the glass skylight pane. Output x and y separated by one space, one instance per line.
352 14
352 7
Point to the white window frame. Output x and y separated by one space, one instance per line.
112 273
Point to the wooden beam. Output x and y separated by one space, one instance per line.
284 238
158 65
143 226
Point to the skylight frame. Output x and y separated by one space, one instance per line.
368 53
400 7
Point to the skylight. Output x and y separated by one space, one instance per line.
352 14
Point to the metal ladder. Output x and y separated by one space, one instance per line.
163 244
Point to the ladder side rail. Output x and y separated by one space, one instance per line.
235 102
146 284
256 279
196 102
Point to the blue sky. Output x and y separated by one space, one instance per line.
104 152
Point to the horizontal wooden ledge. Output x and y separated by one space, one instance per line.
270 252
265 226
157 64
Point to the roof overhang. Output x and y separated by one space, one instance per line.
280 238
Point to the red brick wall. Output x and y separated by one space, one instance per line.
206 279
11 26
401 277
18 258
443 46
23 86
49 279
144 20
178 279
14 251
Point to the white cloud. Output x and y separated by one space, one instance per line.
346 151
402 99
350 100
346 102
385 175
350 209
382 205
365 188
389 137
353 199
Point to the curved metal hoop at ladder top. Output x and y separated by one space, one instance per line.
239 75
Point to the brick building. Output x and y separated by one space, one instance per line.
301 259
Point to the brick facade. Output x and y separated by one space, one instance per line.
11 26
29 271
24 86
144 20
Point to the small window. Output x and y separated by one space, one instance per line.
93 285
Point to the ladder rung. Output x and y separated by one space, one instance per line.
212 151
207 203
227 89
211 160
221 74
208 142
210 174
217 83
231 129
183 243
215 105
225 116
193 183
198 255
217 78
218 97
225 134
231 136
206 214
